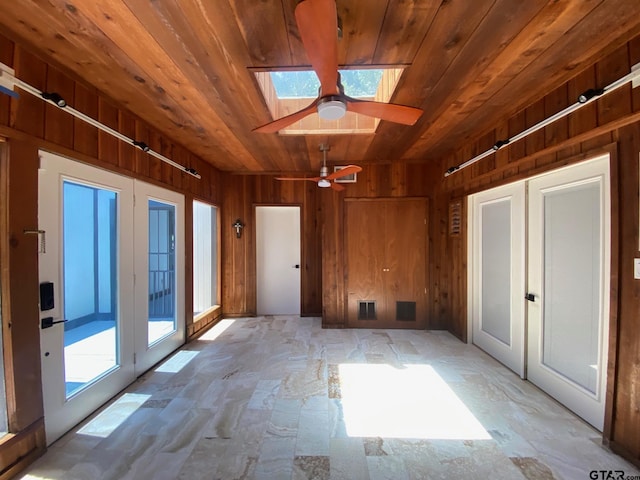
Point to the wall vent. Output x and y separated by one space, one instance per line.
366 310
455 218
406 311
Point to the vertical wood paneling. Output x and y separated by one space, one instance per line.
6 56
107 145
241 194
126 153
85 136
23 285
58 123
626 425
27 114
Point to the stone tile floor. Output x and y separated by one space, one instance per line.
281 398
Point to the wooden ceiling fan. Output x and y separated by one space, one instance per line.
325 179
318 26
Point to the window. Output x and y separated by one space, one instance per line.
205 257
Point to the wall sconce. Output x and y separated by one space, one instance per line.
238 226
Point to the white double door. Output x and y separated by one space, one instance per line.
539 277
111 267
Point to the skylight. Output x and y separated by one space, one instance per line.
305 83
288 91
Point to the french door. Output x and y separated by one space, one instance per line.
497 251
558 340
159 277
95 338
568 282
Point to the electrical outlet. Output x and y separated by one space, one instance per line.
636 268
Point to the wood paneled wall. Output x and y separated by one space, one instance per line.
611 124
241 194
29 124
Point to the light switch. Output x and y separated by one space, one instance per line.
636 268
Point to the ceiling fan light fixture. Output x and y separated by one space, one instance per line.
331 107
324 183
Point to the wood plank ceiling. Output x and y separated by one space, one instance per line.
184 66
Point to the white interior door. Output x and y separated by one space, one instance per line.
569 271
159 274
497 229
86 260
278 260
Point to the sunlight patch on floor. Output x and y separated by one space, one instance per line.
411 401
217 330
114 415
177 362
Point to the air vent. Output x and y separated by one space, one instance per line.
366 310
455 218
406 311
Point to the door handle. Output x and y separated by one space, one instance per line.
530 296
48 322
296 266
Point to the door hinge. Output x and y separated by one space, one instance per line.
134 358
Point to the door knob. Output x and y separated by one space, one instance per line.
530 296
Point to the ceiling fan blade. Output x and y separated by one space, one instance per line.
343 172
391 112
279 124
318 26
336 187
314 179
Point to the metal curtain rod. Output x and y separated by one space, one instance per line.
8 81
584 99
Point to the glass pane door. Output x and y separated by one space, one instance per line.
90 282
159 274
162 271
86 266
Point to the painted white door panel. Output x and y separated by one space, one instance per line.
278 260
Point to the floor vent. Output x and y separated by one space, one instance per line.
406 311
366 310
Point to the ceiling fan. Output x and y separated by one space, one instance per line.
318 25
325 179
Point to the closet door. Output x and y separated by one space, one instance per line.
386 246
404 273
496 263
365 246
569 272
